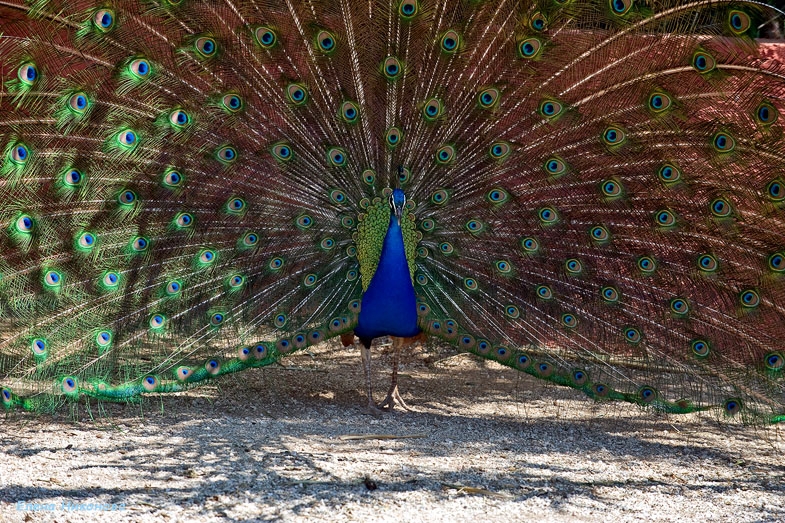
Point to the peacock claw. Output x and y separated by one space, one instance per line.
393 400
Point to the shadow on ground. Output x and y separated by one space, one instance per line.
273 444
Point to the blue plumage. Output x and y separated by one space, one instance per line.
389 305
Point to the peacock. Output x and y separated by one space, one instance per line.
589 191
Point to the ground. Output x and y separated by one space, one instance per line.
293 443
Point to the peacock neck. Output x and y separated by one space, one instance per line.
389 305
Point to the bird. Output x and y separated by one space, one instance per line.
591 192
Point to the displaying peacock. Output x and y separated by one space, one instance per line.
589 191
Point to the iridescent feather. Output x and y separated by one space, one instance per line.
594 192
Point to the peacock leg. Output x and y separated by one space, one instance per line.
365 351
393 396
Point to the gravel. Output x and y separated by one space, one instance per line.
293 443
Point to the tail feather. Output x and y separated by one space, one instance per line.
596 188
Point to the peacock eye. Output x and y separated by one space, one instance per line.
19 153
450 41
86 240
139 244
336 156
391 68
184 220
226 154
103 20
24 223
173 287
78 103
297 94
325 41
179 118
723 142
393 138
620 7
27 73
52 278
703 62
73 178
111 279
127 138
232 103
127 197
349 111
265 36
739 22
140 68
172 178
408 8
205 46
529 48
282 152
433 109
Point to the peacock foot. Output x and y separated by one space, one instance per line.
393 400
373 409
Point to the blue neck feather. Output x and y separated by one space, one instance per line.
389 306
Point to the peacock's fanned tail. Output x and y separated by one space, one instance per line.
191 188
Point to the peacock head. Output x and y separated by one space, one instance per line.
397 202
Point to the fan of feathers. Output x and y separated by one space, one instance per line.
589 191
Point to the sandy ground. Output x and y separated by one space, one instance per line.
481 442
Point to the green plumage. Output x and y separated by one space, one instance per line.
594 191
371 228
